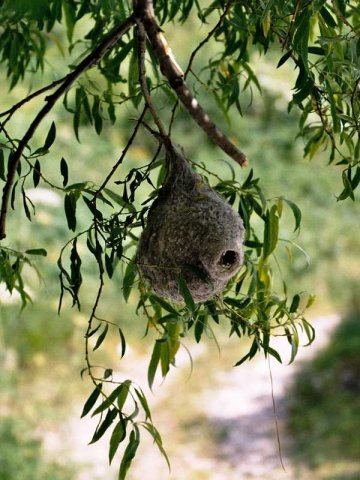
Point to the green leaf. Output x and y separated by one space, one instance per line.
185 292
129 278
36 173
91 206
154 362
50 137
296 212
109 418
101 337
119 200
157 439
130 452
123 394
110 399
273 353
2 166
37 251
123 343
165 305
64 171
294 345
326 15
295 303
70 18
96 113
284 58
271 231
118 436
90 402
70 210
133 79
144 403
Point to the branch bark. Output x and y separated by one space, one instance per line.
144 12
92 59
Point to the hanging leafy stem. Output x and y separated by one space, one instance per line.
320 38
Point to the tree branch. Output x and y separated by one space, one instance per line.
92 59
27 99
143 10
142 77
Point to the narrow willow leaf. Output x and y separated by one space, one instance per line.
295 303
118 436
70 210
284 58
101 337
309 330
158 440
154 362
296 212
70 18
109 418
123 343
144 403
199 328
37 251
185 292
90 402
123 394
64 171
2 166
25 205
119 200
130 452
91 206
129 278
165 305
109 265
165 358
36 173
294 345
133 79
273 353
50 137
271 231
96 113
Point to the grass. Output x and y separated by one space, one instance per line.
324 407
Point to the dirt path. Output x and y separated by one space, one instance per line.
228 428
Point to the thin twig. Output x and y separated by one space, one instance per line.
92 59
27 99
122 156
144 11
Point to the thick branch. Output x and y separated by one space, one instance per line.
172 71
92 59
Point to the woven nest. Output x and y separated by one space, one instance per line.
190 230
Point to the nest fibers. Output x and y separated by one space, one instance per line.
192 231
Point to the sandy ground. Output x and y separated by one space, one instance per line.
239 441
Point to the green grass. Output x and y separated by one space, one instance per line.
325 406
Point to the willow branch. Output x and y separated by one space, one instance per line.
144 11
89 61
122 156
142 77
197 49
27 99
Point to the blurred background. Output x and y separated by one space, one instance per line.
217 422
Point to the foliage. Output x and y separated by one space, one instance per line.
324 403
20 455
320 38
